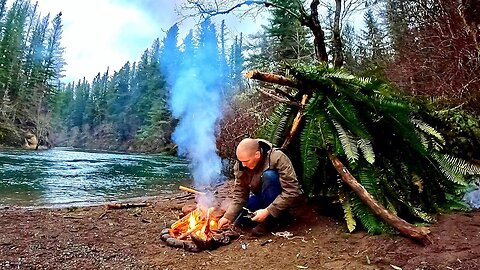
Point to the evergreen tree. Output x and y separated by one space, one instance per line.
351 50
11 50
78 117
170 55
237 63
119 102
373 47
54 61
261 56
290 39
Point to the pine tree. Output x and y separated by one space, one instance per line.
11 55
373 48
54 61
290 39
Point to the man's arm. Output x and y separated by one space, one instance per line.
241 191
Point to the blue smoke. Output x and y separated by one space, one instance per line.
195 99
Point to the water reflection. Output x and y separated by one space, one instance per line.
65 177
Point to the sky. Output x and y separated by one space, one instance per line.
101 34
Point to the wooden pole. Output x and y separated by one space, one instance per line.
273 78
419 234
296 122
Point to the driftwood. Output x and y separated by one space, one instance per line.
418 234
127 205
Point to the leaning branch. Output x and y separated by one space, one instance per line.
279 99
283 93
273 78
296 122
419 234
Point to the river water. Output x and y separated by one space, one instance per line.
63 177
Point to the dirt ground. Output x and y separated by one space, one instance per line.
94 238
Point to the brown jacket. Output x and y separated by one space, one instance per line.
247 181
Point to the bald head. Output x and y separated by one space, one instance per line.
247 152
247 146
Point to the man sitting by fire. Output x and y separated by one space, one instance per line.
265 184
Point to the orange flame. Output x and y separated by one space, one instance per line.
198 222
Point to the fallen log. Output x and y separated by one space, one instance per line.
419 234
127 205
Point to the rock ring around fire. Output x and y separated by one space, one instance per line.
196 245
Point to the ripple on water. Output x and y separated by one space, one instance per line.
67 177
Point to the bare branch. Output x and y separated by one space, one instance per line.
277 98
283 93
210 12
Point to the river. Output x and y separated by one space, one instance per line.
64 177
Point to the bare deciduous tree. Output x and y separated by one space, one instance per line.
308 16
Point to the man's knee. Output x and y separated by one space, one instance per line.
271 176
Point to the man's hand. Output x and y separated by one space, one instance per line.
260 215
223 222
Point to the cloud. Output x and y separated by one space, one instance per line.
98 34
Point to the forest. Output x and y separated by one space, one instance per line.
394 98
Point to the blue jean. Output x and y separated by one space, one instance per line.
271 188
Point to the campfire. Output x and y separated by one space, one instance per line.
198 230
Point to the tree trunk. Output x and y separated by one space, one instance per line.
419 234
313 23
336 36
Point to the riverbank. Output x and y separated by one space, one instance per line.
96 238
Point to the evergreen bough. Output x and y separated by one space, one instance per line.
384 140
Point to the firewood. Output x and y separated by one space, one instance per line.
181 222
187 208
190 231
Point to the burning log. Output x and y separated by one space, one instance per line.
190 231
182 222
197 231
